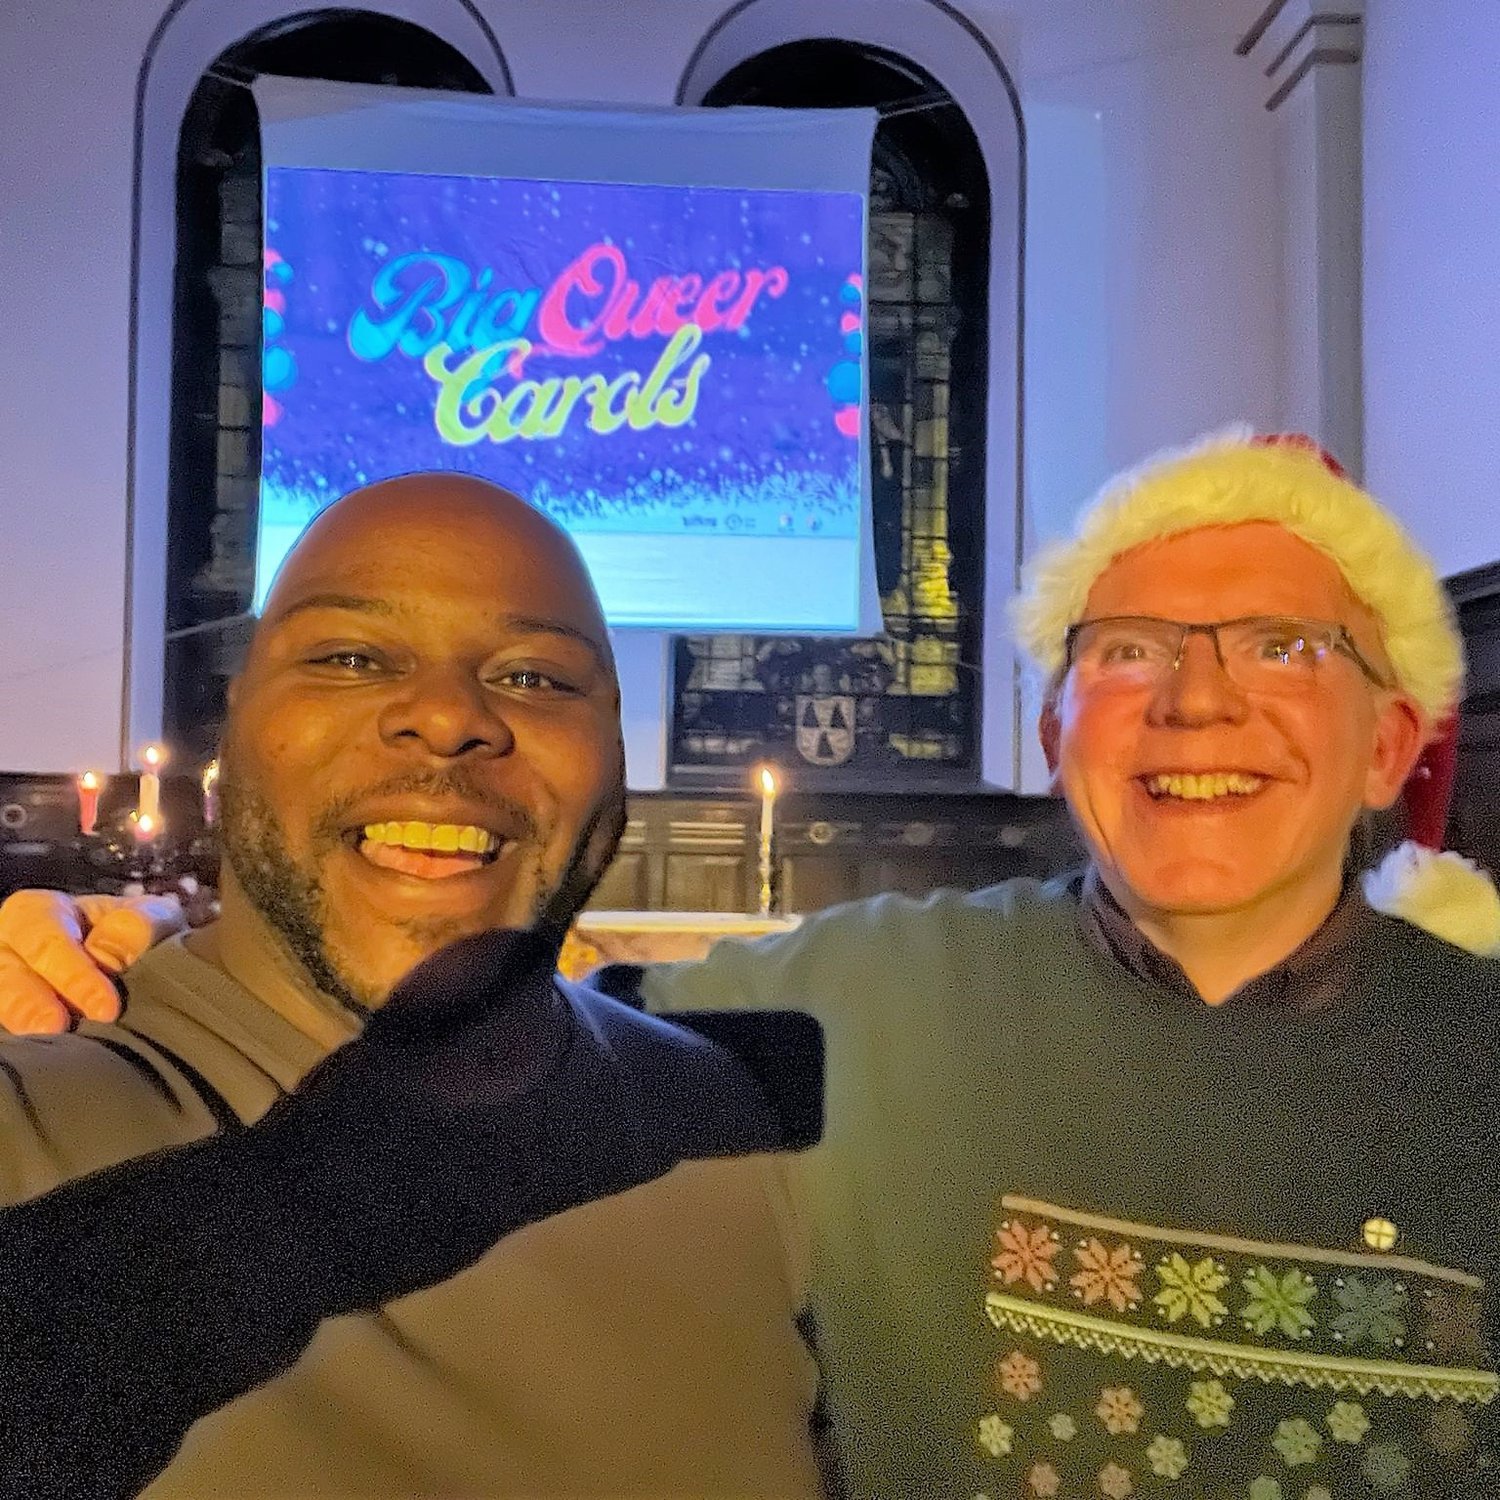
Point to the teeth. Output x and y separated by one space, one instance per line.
443 838
1204 786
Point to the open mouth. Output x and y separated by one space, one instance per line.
1201 786
430 851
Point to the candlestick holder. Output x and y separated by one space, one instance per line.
769 888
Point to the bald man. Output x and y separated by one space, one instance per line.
424 744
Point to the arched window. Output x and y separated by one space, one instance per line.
216 375
904 711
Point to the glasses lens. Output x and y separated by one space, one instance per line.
1126 650
1272 653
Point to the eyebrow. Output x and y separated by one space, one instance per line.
535 625
359 603
373 605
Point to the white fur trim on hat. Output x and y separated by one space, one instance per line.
1225 480
1444 894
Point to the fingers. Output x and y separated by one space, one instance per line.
28 1004
121 929
52 973
41 933
28 914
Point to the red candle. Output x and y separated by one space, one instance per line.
89 786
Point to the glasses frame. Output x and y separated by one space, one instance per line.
1342 641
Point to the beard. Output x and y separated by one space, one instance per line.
291 898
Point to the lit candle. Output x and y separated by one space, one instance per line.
148 805
211 794
89 785
145 827
768 789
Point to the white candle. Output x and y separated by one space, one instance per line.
768 789
211 794
767 805
148 804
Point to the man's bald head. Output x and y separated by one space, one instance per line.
425 739
434 510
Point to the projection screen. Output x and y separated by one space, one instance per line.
649 323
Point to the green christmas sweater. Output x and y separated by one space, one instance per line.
1077 1235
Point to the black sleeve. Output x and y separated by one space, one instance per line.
481 1099
131 1303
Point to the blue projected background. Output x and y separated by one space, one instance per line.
673 373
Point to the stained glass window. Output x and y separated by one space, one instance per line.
216 376
902 710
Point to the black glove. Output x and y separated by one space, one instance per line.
479 1099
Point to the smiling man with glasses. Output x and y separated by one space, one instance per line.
1176 1176
1224 708
1228 1128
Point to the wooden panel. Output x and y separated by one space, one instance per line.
707 882
809 882
690 853
626 884
1474 826
678 853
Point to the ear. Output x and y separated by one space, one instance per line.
1400 734
1049 731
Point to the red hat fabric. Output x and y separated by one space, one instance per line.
1302 441
1429 789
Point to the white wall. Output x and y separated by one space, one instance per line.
1153 267
1152 262
65 181
1432 271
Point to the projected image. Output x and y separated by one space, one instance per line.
674 374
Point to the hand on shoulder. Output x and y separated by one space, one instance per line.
59 954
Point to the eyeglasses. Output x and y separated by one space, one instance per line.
1261 653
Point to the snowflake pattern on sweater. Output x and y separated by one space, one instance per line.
1133 1360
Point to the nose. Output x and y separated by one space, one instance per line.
447 714
1199 690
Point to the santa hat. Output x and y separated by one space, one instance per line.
1234 477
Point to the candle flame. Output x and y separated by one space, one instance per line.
89 781
146 826
210 775
154 757
767 782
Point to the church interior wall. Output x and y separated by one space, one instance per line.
1154 302
1432 272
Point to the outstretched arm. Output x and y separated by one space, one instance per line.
481 1098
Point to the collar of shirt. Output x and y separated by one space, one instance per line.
1311 978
